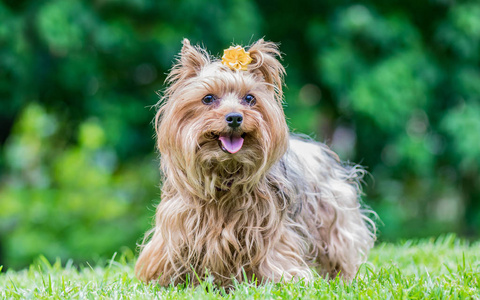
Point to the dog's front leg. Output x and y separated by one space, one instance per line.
285 260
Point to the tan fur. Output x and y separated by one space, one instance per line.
275 209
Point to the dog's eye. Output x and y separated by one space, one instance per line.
250 99
208 99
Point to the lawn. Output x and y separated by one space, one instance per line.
446 267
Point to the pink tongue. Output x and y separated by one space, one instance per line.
231 143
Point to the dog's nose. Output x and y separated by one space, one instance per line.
234 119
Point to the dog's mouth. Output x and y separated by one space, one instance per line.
229 142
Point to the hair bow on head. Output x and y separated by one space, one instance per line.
236 58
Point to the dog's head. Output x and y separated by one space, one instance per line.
221 123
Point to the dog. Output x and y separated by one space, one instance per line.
243 198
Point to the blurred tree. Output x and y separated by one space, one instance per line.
394 85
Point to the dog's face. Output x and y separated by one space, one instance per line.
221 126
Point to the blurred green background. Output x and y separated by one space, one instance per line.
393 85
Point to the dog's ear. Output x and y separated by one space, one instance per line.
265 62
191 60
193 57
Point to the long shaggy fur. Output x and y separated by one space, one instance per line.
280 207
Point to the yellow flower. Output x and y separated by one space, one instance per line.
236 58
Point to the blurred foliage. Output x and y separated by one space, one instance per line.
70 199
393 85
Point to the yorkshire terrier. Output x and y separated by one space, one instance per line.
242 198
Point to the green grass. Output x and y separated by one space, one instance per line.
441 268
